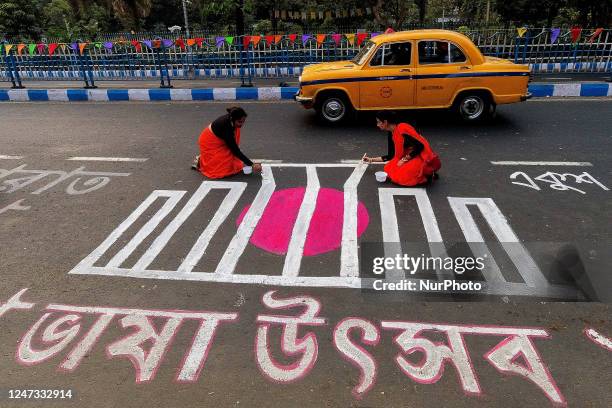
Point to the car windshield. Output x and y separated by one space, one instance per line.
361 55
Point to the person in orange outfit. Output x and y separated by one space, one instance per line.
220 155
411 161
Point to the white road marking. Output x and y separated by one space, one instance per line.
266 161
349 259
109 159
7 157
542 163
295 250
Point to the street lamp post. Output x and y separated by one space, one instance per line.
185 17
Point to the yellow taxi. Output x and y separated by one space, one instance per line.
414 70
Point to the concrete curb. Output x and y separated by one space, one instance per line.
232 94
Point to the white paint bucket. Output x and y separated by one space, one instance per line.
247 169
381 176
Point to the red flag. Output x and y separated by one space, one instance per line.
199 41
52 48
137 45
269 39
361 37
180 43
245 41
292 38
389 30
595 34
576 33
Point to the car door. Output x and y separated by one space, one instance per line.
387 80
442 68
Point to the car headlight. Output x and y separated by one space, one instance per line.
300 79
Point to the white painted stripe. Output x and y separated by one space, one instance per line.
109 159
138 94
566 89
228 204
224 94
18 95
281 164
269 94
265 161
357 162
147 229
609 89
57 95
6 157
180 94
349 258
295 251
97 95
541 163
236 247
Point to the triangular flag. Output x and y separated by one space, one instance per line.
350 38
229 40
554 34
305 38
156 44
63 47
148 43
52 48
137 45
374 35
292 38
83 45
74 46
576 33
277 38
20 48
246 40
219 41
199 41
180 43
595 34
7 48
167 43
40 47
108 45
320 39
31 48
256 39
337 38
521 31
191 42
361 37
269 39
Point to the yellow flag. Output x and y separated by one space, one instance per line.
350 38
521 31
8 47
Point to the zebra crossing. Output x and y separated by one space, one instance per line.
346 275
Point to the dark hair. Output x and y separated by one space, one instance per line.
389 116
236 113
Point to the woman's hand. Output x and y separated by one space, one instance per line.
403 161
257 167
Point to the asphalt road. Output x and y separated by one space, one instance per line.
45 232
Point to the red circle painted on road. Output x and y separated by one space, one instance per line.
273 232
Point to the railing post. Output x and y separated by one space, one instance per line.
85 67
11 68
242 66
163 69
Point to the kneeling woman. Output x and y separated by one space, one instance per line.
220 155
410 159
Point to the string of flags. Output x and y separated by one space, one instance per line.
575 34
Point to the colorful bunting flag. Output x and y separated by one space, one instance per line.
148 43
337 38
20 48
269 39
83 45
361 37
595 34
74 46
277 38
40 47
521 31
305 38
52 48
350 38
554 34
374 35
246 40
320 39
199 41
63 47
108 45
180 42
256 39
156 44
7 48
191 42
576 33
31 48
219 41
229 40
167 43
292 38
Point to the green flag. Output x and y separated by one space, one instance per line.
31 48
229 40
98 45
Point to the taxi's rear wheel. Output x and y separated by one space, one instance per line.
474 106
333 107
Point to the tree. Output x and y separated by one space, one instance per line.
593 13
21 19
528 12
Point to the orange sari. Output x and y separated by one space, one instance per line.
216 159
418 169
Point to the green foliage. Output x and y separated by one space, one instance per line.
21 19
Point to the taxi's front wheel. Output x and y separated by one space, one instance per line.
333 108
474 106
